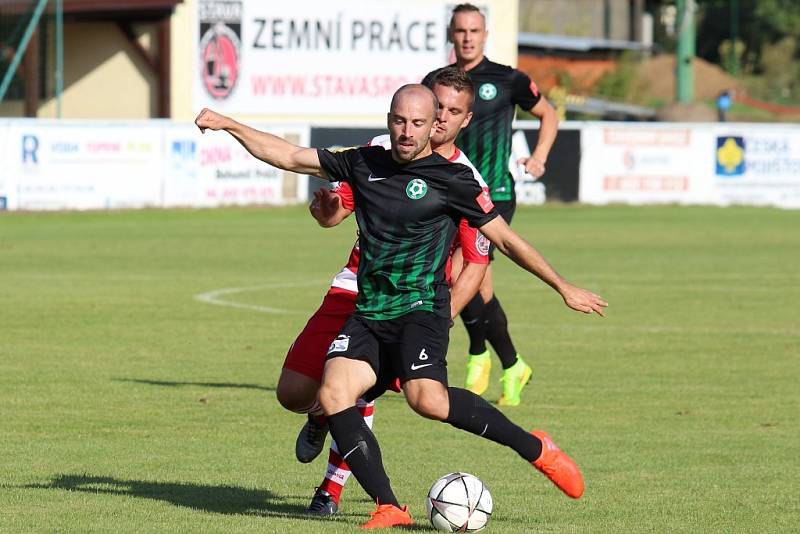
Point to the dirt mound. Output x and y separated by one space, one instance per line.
693 112
658 74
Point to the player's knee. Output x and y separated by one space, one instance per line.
334 399
290 400
429 402
287 398
295 397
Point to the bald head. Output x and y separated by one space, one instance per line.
410 120
417 95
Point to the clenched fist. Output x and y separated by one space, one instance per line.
211 120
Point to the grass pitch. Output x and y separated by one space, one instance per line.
130 404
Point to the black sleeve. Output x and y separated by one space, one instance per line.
468 200
337 164
524 92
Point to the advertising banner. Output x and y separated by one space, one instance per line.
528 189
757 164
314 57
560 180
215 170
83 166
645 164
334 137
52 165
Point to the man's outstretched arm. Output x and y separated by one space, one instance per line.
268 148
523 254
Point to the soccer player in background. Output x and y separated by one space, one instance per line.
302 370
408 202
487 143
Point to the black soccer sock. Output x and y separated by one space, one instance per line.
497 332
359 448
472 413
472 316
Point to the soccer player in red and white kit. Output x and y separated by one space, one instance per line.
302 370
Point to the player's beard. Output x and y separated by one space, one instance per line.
408 154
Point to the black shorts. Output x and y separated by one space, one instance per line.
409 347
506 209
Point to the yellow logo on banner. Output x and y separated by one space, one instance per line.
730 155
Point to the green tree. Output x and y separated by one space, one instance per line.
761 22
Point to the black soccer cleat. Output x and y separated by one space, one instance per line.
322 503
310 440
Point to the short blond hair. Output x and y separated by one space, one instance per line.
465 8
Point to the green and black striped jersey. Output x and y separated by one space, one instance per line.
487 139
407 216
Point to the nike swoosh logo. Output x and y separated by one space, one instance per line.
414 366
375 178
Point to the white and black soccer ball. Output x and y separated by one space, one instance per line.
459 502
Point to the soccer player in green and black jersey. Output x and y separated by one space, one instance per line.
408 202
487 143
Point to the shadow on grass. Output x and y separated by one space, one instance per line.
230 500
215 499
169 383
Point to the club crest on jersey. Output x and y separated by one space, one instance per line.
487 91
416 189
481 243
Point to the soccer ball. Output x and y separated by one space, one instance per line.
459 502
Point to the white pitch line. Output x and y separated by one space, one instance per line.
213 297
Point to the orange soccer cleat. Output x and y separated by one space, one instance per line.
388 515
558 467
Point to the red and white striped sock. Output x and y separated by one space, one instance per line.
337 474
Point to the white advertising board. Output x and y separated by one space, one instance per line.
757 164
722 164
50 165
645 164
313 57
215 170
529 191
84 165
